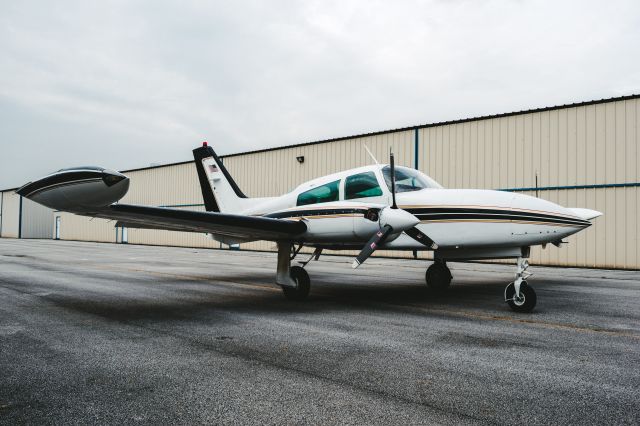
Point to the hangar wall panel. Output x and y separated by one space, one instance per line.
613 241
80 228
36 220
587 145
164 186
10 214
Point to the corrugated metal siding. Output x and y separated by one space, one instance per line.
10 214
587 145
80 228
36 220
595 144
614 239
578 145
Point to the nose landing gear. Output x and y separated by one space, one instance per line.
518 294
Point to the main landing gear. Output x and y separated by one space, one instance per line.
518 294
294 280
438 276
303 284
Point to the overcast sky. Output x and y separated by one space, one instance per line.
124 84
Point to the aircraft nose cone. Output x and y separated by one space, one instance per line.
398 219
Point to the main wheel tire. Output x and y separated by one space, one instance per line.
527 301
438 277
301 291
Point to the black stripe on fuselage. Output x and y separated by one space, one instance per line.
439 213
63 184
516 218
443 214
316 212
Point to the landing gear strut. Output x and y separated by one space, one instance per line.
438 276
518 294
294 280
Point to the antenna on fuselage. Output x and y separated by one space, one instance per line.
371 155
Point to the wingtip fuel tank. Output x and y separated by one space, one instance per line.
77 189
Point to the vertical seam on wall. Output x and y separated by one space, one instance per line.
416 149
1 207
20 219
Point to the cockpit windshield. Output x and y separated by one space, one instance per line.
408 180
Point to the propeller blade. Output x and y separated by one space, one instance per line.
392 166
371 246
421 237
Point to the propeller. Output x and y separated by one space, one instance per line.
421 237
371 246
414 232
393 220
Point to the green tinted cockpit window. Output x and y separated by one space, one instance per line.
362 185
321 194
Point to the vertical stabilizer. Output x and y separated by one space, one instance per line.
219 191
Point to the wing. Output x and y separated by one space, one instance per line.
249 228
91 191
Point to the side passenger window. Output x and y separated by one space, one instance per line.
321 194
362 185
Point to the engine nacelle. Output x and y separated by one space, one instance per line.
77 189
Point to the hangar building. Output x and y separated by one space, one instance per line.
579 155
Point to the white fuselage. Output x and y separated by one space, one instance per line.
450 217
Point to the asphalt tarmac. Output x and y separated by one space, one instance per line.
121 334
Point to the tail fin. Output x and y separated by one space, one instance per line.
219 191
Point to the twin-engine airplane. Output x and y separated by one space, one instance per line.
371 207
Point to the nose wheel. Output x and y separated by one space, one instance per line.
519 295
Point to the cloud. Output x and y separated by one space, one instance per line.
126 84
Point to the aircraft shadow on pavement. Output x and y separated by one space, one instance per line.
171 299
